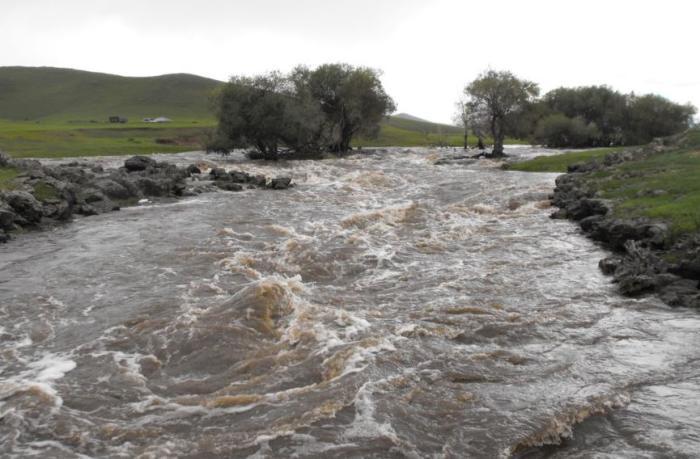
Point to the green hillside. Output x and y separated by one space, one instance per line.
52 112
46 93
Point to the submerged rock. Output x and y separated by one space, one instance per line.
280 183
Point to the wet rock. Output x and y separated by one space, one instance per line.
219 174
4 159
25 206
91 195
7 217
591 224
86 210
139 163
229 186
58 210
152 187
586 207
239 177
114 190
689 267
610 265
193 169
635 285
4 237
258 180
280 183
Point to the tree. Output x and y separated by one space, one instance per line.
558 130
461 119
496 95
264 112
352 99
655 116
306 111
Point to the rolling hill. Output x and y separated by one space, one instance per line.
46 93
46 111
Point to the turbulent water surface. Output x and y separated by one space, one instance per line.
384 307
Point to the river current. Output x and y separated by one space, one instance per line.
386 306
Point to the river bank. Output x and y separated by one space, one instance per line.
643 204
39 196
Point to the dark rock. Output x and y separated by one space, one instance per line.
634 285
25 205
4 159
7 218
239 177
586 207
280 183
688 268
139 163
591 224
192 169
610 265
3 237
86 210
559 214
229 186
58 210
115 190
218 173
91 195
152 187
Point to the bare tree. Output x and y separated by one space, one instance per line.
461 119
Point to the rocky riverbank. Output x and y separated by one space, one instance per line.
41 195
649 257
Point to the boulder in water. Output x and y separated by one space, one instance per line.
280 183
139 163
25 205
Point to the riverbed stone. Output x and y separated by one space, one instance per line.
25 205
7 218
280 183
139 163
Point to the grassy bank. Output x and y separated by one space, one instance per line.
662 186
61 138
559 163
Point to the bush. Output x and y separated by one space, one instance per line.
559 130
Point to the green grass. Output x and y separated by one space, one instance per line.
663 187
55 139
45 192
7 177
391 135
559 163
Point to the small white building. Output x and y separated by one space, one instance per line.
160 119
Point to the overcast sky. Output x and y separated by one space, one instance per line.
428 50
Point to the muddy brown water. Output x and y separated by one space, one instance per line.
384 307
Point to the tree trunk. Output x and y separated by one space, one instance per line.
480 143
497 132
466 139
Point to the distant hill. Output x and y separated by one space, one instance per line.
418 125
407 116
38 93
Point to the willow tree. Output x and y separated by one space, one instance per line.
497 95
352 99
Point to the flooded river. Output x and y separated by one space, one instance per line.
384 307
